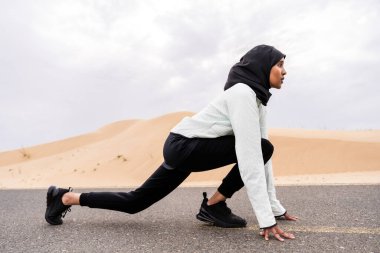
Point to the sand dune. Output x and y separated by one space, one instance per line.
125 153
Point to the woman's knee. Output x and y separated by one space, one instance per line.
267 149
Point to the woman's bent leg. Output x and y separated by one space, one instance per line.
218 152
157 186
233 182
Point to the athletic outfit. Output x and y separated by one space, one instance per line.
231 129
207 140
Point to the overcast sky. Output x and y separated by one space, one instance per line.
70 67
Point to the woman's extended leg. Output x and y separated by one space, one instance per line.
157 186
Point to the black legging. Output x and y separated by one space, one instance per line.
182 156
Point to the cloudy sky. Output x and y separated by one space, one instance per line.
70 67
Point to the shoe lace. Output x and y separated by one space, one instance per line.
64 213
68 209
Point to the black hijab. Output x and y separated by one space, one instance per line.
253 69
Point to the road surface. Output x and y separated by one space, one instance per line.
332 219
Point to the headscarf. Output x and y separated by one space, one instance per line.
253 69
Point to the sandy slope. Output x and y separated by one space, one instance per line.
125 153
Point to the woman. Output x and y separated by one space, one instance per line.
230 130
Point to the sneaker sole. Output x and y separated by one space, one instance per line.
203 216
200 217
51 193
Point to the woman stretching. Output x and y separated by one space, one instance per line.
231 129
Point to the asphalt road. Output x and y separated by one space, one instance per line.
332 219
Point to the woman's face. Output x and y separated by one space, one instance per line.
277 74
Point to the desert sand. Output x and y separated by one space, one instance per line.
125 153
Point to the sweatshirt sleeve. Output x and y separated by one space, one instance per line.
244 115
277 208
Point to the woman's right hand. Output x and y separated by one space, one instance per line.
277 232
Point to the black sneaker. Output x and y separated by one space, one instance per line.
219 215
55 209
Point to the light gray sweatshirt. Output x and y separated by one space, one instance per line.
238 112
